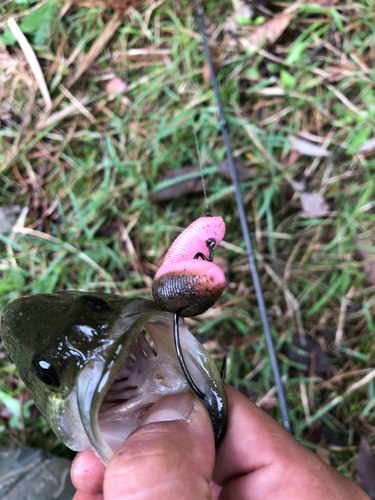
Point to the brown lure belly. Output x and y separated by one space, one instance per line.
189 292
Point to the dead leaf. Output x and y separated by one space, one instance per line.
268 31
115 86
366 468
326 3
247 392
320 433
9 118
206 70
323 453
107 230
213 346
314 205
222 263
181 187
369 256
215 55
307 352
292 159
300 182
243 172
120 6
5 413
8 216
368 145
267 402
307 148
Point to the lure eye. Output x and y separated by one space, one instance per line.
97 304
46 373
211 242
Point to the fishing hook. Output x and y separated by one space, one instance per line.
181 359
180 356
210 243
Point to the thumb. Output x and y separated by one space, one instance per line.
170 456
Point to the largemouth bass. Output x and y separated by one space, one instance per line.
94 364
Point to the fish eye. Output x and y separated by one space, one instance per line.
96 303
46 372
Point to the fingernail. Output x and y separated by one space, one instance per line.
178 407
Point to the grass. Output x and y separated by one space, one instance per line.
87 182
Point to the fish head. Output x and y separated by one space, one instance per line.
95 363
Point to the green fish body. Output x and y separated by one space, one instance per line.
94 364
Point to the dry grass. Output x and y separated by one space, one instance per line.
86 169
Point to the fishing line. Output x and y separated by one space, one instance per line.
208 209
242 216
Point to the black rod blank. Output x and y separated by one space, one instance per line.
245 231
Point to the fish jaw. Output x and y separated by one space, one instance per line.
159 376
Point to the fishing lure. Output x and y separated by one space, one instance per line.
187 282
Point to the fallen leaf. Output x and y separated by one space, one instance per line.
247 392
9 118
222 263
13 405
8 216
215 53
320 433
107 230
267 402
115 86
120 6
243 172
307 148
322 452
365 468
369 256
307 352
300 182
181 187
368 145
314 205
268 31
213 346
206 73
326 3
5 413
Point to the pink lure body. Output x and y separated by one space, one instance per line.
186 284
192 241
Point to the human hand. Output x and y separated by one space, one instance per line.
175 460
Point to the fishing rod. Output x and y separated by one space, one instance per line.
242 216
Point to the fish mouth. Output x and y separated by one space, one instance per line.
114 391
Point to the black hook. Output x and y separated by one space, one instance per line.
210 243
180 356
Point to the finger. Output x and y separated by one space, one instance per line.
259 459
87 473
171 456
83 496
